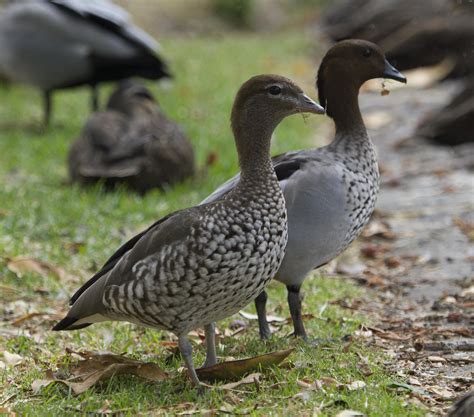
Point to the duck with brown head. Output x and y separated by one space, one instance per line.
343 70
204 263
330 192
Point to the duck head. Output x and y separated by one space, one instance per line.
347 65
268 99
260 105
130 98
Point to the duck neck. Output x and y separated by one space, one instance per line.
341 97
253 132
342 105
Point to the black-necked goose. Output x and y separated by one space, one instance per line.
330 192
204 263
55 44
131 143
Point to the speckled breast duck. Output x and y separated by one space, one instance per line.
131 143
330 192
204 263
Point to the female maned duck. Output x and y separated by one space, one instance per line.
131 143
55 44
204 263
330 192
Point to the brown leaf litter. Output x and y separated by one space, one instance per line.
22 265
94 367
97 367
237 369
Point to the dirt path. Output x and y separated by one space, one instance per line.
418 251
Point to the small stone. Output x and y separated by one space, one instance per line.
436 359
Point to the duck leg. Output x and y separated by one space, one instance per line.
211 357
260 305
47 107
94 98
294 302
186 350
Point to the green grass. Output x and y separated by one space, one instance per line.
43 217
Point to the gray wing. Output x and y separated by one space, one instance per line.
65 43
88 307
285 166
108 15
317 221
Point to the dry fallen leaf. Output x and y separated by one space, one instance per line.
22 265
249 379
378 228
467 292
270 319
349 413
442 393
12 359
436 359
356 385
466 227
236 369
97 367
26 317
7 412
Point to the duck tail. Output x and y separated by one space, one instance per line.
67 323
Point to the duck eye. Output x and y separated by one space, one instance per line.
367 53
274 90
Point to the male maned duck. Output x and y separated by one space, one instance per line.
330 192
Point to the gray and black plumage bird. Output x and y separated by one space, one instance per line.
202 264
56 44
330 192
132 142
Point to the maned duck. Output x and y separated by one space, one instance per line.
131 143
330 192
55 44
204 263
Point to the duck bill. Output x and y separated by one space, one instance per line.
306 105
391 72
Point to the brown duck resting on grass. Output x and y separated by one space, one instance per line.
330 192
131 143
203 264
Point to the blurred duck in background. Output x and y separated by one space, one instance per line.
55 44
419 34
131 143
